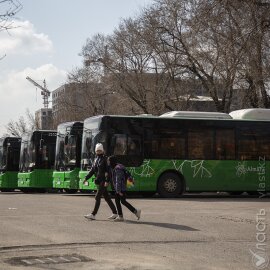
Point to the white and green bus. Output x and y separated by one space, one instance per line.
185 151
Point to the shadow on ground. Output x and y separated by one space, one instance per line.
177 227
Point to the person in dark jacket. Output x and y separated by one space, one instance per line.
119 181
100 169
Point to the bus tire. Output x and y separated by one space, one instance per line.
71 191
148 194
170 185
236 193
253 193
7 190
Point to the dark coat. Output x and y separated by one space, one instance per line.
99 169
119 178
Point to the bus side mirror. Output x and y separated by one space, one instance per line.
41 143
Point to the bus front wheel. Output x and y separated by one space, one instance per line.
170 185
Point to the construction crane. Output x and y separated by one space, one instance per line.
45 92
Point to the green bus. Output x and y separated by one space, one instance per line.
37 160
184 151
9 162
68 156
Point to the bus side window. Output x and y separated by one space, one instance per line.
253 143
134 146
120 145
225 144
200 144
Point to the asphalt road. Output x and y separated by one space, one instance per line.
48 231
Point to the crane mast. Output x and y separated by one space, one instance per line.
45 92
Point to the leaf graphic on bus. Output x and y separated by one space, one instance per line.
144 171
196 165
179 167
240 169
199 168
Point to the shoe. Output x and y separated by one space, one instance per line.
113 216
138 214
90 216
118 218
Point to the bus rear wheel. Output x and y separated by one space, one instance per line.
7 190
70 191
170 185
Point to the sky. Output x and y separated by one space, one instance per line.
45 44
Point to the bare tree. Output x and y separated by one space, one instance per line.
159 60
85 94
8 9
22 125
255 70
131 68
195 38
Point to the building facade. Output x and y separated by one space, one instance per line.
44 119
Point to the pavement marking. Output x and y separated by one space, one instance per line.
27 262
76 259
46 260
52 260
64 259
40 261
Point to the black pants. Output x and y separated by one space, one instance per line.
122 199
102 190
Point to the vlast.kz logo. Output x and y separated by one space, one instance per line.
259 259
242 168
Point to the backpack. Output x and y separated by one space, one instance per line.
129 178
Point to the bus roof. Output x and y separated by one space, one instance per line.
251 114
245 114
68 124
196 114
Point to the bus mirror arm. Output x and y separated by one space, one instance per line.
41 143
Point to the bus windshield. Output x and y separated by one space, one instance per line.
3 159
27 154
91 136
66 152
70 152
9 154
60 155
90 139
68 146
87 151
37 151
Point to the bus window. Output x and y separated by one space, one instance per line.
170 145
247 149
172 148
264 147
200 144
125 145
253 144
120 147
225 144
44 157
134 146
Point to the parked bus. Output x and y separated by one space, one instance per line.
184 151
36 160
68 156
9 162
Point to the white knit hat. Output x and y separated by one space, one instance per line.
99 146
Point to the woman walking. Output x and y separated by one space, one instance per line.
119 182
100 169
